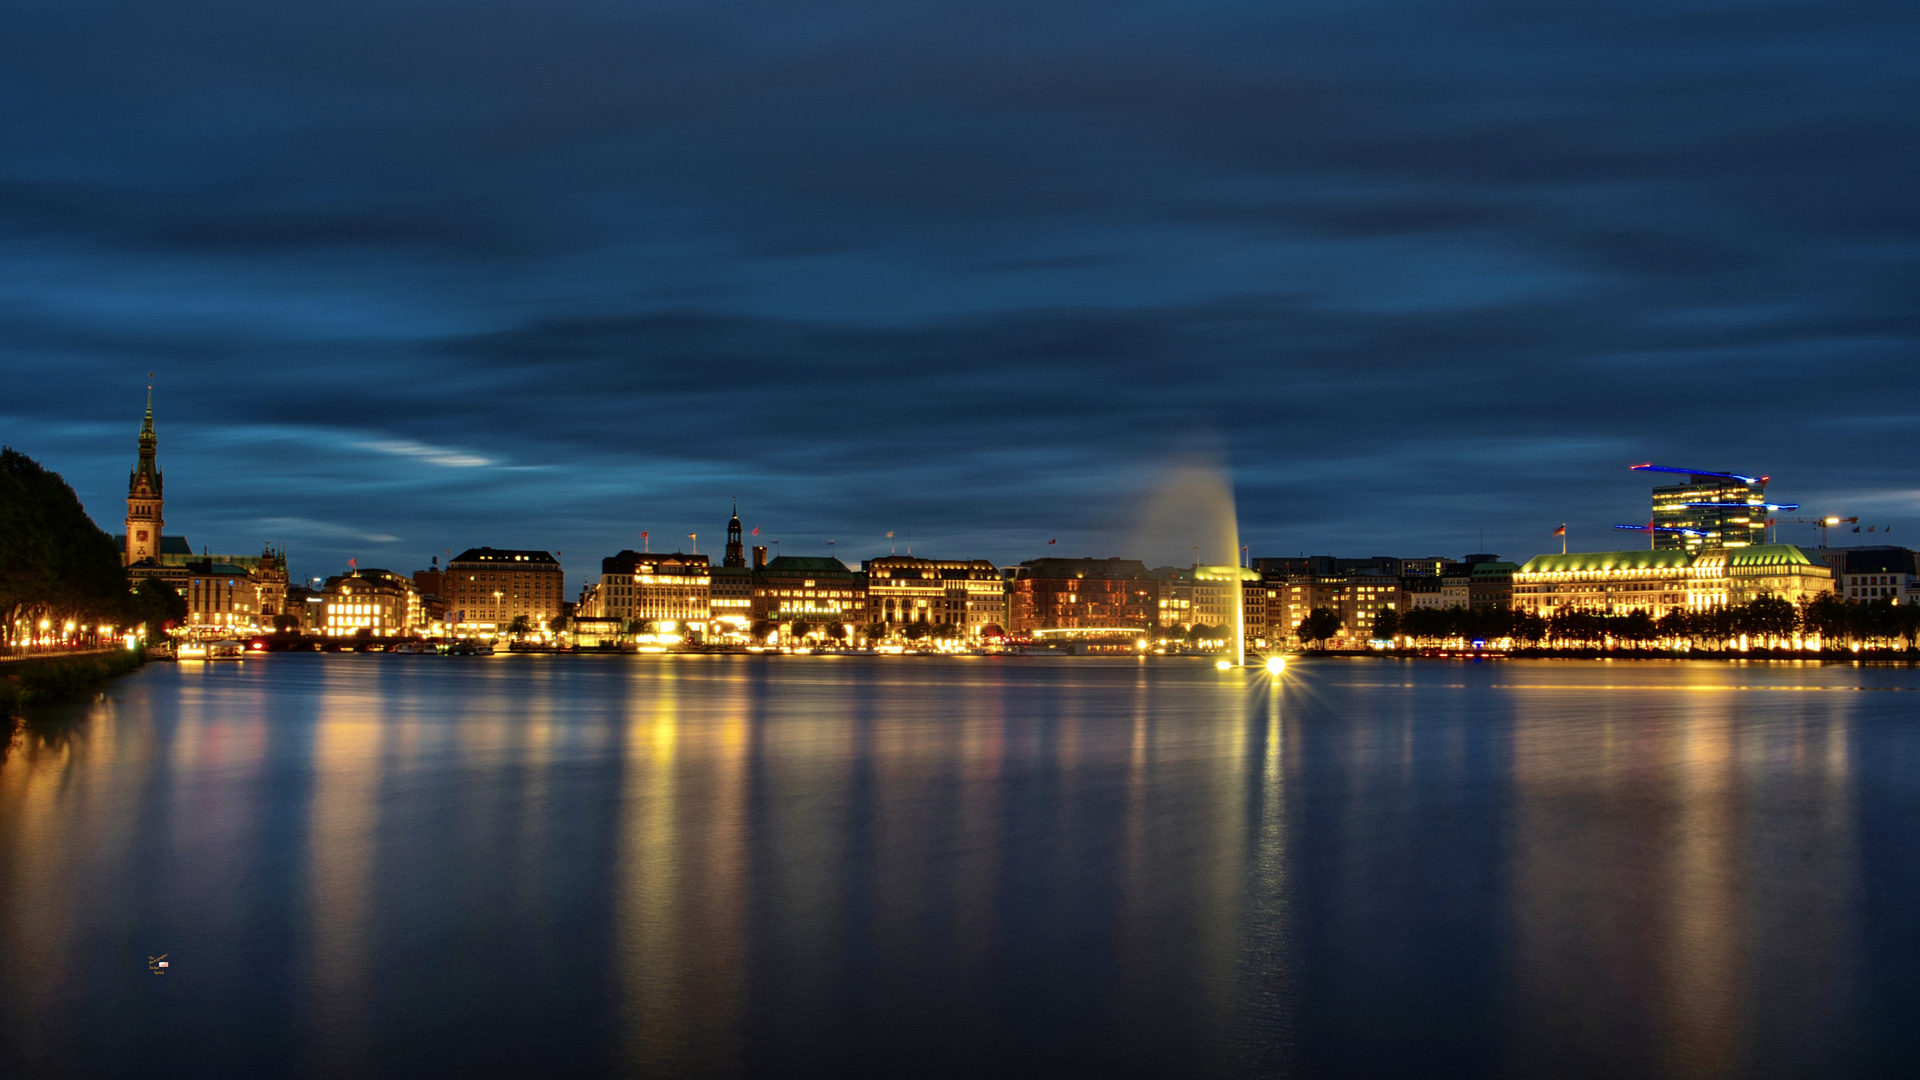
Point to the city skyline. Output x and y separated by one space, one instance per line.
1173 499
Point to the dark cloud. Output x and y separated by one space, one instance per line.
543 274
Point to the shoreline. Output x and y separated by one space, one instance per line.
42 680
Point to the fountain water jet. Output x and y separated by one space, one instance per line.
1190 510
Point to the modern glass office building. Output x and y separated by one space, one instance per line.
1709 510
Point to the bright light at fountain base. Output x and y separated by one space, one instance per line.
1223 664
1276 664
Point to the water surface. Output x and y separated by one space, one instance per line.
661 866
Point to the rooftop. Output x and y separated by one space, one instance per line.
1591 561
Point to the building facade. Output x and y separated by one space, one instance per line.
487 588
1666 579
965 594
820 592
1083 595
1710 510
221 596
1881 573
381 603
647 588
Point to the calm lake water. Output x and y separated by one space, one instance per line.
540 865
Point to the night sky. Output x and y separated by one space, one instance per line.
426 276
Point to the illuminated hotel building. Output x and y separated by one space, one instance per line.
644 587
966 594
803 588
1659 581
1709 510
487 588
382 603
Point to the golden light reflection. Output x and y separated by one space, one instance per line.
1640 826
682 877
342 825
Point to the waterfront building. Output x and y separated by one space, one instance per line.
1660 580
487 588
1083 595
380 602
730 598
1481 580
1654 581
1709 510
1735 576
1174 606
1299 597
966 594
308 607
801 588
648 588
1214 604
1424 591
221 596
1875 573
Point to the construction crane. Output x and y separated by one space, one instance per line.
1825 523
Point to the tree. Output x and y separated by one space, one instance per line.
156 605
837 631
992 630
875 631
760 629
1319 625
801 628
557 623
520 626
55 563
282 624
1386 625
916 631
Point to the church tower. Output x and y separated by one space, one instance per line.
736 554
143 497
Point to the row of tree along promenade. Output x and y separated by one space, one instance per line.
1822 625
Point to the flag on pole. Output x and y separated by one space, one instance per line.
756 530
1054 541
643 534
354 564
1561 531
889 534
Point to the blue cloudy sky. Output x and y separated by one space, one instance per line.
418 276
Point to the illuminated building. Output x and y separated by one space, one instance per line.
1357 598
1658 581
1654 581
1082 595
221 596
966 594
648 588
1709 510
380 602
798 588
487 588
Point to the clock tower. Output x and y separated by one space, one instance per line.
143 497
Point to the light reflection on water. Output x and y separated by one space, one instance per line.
668 866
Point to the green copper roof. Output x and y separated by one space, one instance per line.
1588 561
1769 555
